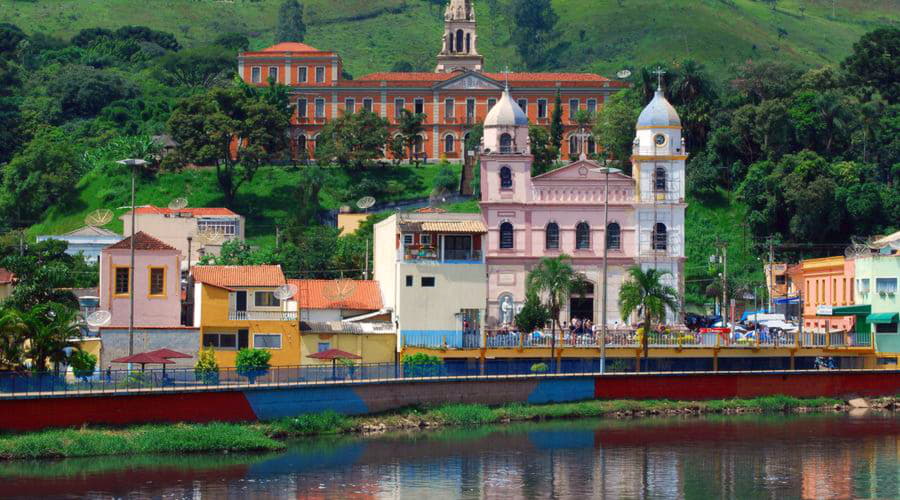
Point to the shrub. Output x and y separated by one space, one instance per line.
83 363
539 368
465 414
421 365
327 422
446 179
207 369
252 363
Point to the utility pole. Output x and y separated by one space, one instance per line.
727 315
771 287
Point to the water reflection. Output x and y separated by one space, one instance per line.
818 456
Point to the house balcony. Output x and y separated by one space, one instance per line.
262 315
429 254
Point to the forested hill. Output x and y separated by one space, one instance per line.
591 35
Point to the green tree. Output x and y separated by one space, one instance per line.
615 127
10 38
12 339
354 139
83 91
252 363
556 125
410 126
446 179
232 41
645 293
397 147
207 368
207 127
535 22
290 22
544 153
83 363
50 327
44 273
533 314
873 62
555 280
198 67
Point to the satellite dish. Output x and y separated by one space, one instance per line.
365 202
623 74
285 292
178 203
99 318
99 217
339 290
211 236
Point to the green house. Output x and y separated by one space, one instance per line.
876 286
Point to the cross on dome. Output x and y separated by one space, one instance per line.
659 72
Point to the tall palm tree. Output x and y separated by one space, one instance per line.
50 328
555 280
645 293
12 339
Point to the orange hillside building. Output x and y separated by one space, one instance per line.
453 98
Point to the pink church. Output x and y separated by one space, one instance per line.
562 211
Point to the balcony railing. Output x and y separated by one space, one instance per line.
428 253
262 315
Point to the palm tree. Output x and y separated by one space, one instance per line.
645 293
556 280
12 339
50 328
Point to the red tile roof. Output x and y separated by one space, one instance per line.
142 241
338 294
6 277
408 77
194 212
514 78
290 47
230 276
430 210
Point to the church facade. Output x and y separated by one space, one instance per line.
453 98
562 212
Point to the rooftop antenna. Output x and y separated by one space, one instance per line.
365 203
339 290
178 203
285 292
211 236
623 74
99 217
98 318
659 72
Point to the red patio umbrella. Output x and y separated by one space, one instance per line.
333 355
170 354
145 358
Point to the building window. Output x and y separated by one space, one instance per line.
228 227
448 143
491 103
320 108
266 341
573 108
419 105
505 178
265 299
886 285
157 281
505 143
885 327
574 144
552 236
301 108
256 74
470 110
398 108
409 280
863 286
428 281
659 179
349 105
320 74
506 235
542 108
591 145
273 73
449 108
592 106
122 278
582 236
659 236
301 143
613 236
407 239
367 104
301 74
425 239
523 103
324 346
220 340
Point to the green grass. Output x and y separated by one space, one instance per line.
171 439
328 422
263 201
371 35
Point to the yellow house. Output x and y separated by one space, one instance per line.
375 342
236 307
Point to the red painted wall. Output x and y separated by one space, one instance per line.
35 414
746 385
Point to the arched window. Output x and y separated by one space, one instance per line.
301 143
506 235
448 143
582 236
574 145
613 236
659 236
659 179
459 40
591 145
505 178
419 142
468 43
451 45
505 143
552 236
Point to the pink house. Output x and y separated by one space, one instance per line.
156 282
562 211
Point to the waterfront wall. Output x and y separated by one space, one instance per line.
356 399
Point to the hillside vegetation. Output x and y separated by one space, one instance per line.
597 35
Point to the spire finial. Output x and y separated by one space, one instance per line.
506 78
659 72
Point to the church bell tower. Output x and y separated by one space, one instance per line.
459 49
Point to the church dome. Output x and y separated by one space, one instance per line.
505 113
659 113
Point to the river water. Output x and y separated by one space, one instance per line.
804 456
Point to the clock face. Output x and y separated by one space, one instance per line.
660 139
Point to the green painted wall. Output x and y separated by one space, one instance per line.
870 268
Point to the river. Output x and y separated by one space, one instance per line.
746 456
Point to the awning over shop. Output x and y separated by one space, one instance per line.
882 318
857 310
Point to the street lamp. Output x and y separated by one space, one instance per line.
605 169
133 163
